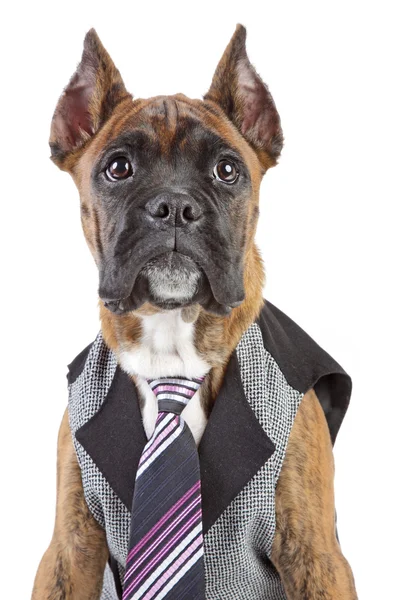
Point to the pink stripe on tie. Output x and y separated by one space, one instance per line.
159 389
174 567
158 557
159 523
163 434
160 538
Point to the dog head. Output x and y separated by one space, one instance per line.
168 185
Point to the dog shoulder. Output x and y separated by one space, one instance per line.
306 365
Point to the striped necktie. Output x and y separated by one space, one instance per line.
165 557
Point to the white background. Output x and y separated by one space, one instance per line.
328 233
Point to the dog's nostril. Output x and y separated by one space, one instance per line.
162 210
188 213
174 209
159 208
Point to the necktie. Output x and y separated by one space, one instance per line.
165 557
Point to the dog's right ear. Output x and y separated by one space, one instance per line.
246 100
89 99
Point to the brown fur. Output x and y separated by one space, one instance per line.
215 337
305 549
72 568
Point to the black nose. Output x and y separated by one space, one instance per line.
176 209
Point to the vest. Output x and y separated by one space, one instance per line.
241 451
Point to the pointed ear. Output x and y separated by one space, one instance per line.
246 100
87 102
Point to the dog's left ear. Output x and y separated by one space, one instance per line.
246 100
89 99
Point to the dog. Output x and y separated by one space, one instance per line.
169 192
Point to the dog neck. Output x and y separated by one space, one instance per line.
166 348
188 342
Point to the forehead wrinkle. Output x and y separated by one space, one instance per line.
161 118
156 116
183 119
213 120
168 119
166 126
146 112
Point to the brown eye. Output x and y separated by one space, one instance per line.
226 171
119 168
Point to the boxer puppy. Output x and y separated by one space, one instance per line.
169 191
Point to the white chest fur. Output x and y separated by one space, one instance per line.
166 349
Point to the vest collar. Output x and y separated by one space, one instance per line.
233 448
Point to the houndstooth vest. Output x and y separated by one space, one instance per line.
241 451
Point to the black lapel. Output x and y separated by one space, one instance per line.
114 437
233 448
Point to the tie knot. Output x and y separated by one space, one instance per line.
173 393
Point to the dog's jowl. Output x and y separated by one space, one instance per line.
195 454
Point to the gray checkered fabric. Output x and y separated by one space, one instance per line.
238 545
86 395
109 592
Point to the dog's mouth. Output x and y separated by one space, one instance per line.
169 281
173 279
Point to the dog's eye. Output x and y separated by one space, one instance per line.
119 168
226 171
